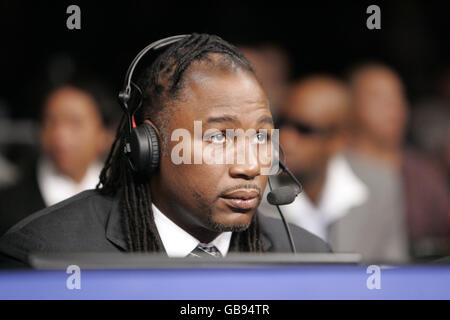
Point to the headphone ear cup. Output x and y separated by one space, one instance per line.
144 145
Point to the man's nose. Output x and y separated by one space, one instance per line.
247 169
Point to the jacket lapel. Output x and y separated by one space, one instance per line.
266 242
114 230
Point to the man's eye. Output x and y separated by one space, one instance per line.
217 138
261 137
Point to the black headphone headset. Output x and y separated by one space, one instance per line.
142 142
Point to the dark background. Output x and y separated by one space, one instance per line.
323 36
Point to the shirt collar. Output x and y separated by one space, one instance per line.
179 243
343 190
55 187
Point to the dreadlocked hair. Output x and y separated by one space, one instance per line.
160 83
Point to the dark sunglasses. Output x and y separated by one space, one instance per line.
304 128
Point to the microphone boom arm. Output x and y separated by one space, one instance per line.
286 226
291 175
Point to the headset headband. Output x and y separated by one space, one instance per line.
124 95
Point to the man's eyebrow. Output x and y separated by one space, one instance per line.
266 119
225 118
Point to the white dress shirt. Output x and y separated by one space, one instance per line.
342 191
55 186
179 243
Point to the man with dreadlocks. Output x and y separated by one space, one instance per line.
180 209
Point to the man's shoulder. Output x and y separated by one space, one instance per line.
89 204
305 241
59 227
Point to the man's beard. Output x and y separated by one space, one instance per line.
219 227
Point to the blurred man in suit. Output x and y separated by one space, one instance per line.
314 124
76 130
412 195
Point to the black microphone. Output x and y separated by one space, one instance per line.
287 194
282 196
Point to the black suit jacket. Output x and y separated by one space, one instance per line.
90 222
20 200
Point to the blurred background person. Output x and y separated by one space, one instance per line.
272 66
411 213
8 171
314 123
76 128
430 129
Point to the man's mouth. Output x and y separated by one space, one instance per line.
242 199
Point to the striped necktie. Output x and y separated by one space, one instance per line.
202 251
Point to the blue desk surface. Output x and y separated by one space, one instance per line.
293 282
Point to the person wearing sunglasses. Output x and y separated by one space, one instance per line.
314 123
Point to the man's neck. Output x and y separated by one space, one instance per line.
313 184
200 233
77 176
388 154
314 187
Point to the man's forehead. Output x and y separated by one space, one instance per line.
230 116
201 80
317 103
260 118
235 94
377 76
